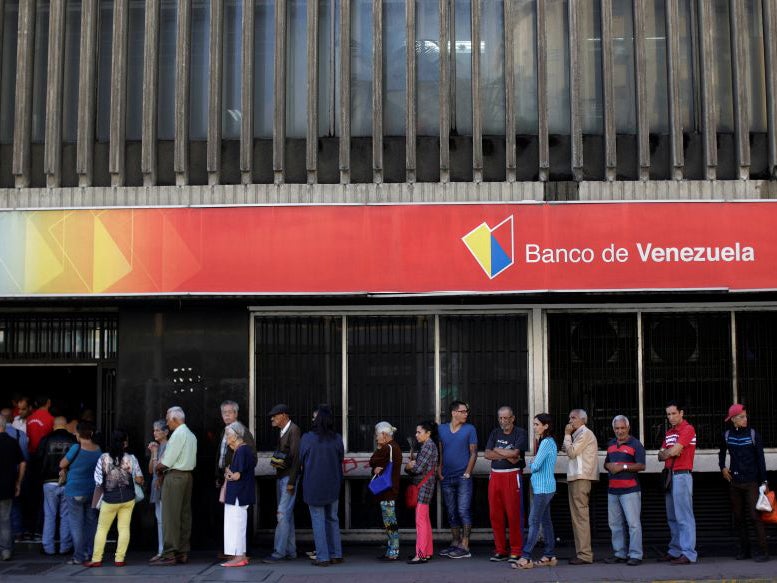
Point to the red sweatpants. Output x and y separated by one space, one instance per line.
504 497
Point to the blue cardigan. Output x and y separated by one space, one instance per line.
322 468
244 461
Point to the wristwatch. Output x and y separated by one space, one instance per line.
625 467
465 476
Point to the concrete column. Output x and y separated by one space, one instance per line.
708 99
311 143
509 73
769 8
118 111
377 91
215 58
672 73
411 108
52 157
575 104
740 59
183 59
279 84
344 52
148 156
477 113
542 91
608 93
247 95
640 72
445 91
22 135
87 92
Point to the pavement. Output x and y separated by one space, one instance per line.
715 564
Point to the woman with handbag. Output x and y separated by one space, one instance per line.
239 493
77 468
420 493
119 475
386 464
157 450
543 484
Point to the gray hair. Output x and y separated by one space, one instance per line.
161 424
3 422
386 428
506 408
581 413
176 413
236 428
620 418
232 404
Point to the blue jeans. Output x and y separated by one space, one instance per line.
539 515
83 523
625 509
54 504
457 493
679 515
326 531
285 538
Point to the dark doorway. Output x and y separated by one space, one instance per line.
72 389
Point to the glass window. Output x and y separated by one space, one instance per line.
39 74
135 59
687 359
461 74
328 68
525 49
231 77
8 71
757 371
296 69
168 23
71 65
394 60
264 51
492 66
624 83
592 365
558 66
592 105
427 48
655 61
756 71
390 376
200 71
723 66
484 362
299 363
361 68
104 71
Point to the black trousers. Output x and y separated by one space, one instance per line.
744 495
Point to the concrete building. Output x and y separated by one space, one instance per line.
192 193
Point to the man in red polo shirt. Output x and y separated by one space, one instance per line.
40 423
677 454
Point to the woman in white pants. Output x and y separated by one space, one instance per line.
157 449
238 493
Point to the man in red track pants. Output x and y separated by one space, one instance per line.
505 448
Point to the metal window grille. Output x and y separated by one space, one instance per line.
57 337
592 363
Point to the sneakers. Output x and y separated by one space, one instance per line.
459 553
447 551
497 557
514 559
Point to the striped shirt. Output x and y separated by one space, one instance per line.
543 480
630 451
684 434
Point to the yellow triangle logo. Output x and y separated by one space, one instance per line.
109 264
478 241
41 264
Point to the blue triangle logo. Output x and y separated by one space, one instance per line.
499 259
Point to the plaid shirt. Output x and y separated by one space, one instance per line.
425 461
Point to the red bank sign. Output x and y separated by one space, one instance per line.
404 249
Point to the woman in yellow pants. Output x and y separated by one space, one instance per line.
117 472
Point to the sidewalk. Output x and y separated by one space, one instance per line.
360 565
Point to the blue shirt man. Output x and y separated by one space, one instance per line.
625 457
459 445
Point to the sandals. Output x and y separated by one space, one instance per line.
523 563
546 562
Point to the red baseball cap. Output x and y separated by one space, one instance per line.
734 410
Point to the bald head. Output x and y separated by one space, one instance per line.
60 422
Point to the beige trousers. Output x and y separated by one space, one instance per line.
579 495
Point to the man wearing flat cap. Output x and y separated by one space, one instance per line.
285 460
745 473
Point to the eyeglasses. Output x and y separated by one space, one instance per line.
462 411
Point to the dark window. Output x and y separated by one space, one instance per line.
484 362
298 362
757 370
687 358
53 337
592 361
390 376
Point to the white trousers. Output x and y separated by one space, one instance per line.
235 523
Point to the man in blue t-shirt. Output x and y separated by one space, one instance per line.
459 447
625 457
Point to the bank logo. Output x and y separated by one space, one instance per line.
492 248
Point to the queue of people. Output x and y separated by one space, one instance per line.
88 489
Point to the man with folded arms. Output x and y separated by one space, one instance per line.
625 457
